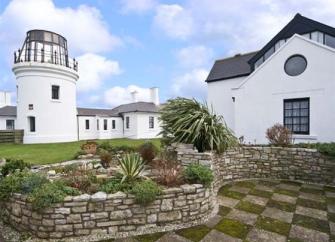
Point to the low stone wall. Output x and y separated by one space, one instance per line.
114 215
305 165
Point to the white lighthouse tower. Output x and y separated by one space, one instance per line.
46 89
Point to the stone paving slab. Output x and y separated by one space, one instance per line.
169 237
332 228
289 187
260 235
312 186
308 235
310 196
227 201
331 208
242 216
239 189
213 221
264 188
330 194
278 214
311 212
217 236
256 200
284 198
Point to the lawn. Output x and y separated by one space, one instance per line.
56 152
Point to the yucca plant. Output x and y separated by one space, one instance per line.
188 121
131 166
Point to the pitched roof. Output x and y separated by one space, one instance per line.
8 111
137 107
95 112
298 25
231 67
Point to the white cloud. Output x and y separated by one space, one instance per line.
191 84
194 56
94 69
83 26
121 95
137 6
174 20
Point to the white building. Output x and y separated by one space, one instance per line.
291 81
46 99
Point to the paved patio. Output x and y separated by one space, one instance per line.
261 210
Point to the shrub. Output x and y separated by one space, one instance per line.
12 165
169 170
131 166
324 148
106 146
81 179
148 151
114 185
50 193
79 153
90 147
146 191
279 135
106 159
195 173
124 148
188 121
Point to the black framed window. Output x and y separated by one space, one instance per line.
151 122
32 124
55 92
105 124
87 124
296 115
127 122
10 124
98 124
113 124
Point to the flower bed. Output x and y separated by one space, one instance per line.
113 215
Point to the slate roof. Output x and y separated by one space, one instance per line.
137 107
96 111
8 111
231 67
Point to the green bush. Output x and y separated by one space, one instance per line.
195 173
148 151
114 185
131 166
324 148
146 191
50 193
20 182
12 165
188 121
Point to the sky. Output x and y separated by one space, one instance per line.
127 45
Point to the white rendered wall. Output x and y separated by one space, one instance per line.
5 99
220 98
259 101
55 119
131 132
3 121
139 126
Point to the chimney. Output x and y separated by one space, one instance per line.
134 96
5 99
154 95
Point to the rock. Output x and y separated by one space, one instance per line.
117 195
2 161
169 216
152 218
167 205
81 198
117 215
99 196
102 170
97 166
51 173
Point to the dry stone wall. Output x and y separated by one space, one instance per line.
113 215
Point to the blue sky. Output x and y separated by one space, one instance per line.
126 45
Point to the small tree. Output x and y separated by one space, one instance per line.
279 135
188 121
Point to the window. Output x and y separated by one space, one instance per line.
10 124
113 124
296 115
259 62
151 122
98 124
55 92
269 53
127 122
330 41
31 107
87 124
32 124
295 65
105 124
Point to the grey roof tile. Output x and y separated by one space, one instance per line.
8 111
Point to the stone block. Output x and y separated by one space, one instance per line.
73 218
167 205
64 228
62 210
101 215
99 196
79 209
117 215
169 216
48 222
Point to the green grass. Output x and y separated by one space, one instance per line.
194 233
149 237
273 225
311 204
288 207
260 193
311 223
329 189
247 184
233 228
40 154
287 192
250 207
223 211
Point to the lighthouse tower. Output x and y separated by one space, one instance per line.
46 89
